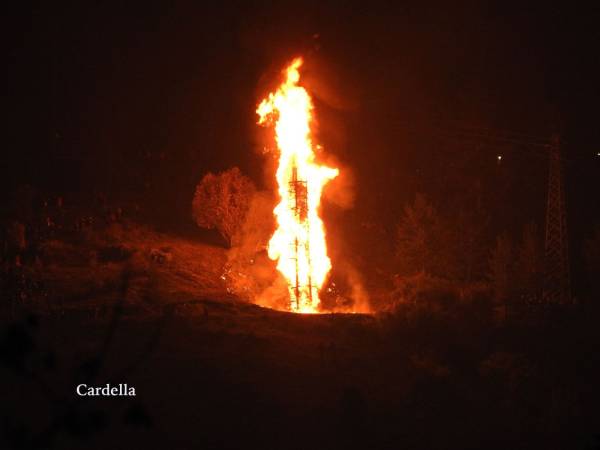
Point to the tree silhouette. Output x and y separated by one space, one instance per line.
465 243
592 258
529 264
222 201
501 267
417 236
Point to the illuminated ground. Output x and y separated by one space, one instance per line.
213 372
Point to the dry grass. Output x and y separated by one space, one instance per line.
91 268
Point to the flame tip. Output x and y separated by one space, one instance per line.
298 244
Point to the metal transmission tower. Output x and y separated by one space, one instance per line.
557 288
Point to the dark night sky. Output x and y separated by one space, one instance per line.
146 99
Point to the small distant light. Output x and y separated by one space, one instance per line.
598 154
499 157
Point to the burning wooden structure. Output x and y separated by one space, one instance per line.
298 244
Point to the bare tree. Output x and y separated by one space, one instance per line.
222 201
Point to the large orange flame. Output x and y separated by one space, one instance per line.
298 244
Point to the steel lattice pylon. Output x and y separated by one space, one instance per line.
557 288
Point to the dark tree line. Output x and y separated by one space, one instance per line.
456 247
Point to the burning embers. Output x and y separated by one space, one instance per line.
298 244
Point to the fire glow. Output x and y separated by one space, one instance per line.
298 244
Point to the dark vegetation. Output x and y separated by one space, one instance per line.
117 114
450 362
222 202
224 374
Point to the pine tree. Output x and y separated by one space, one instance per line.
417 236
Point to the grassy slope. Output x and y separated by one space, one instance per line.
214 372
160 269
